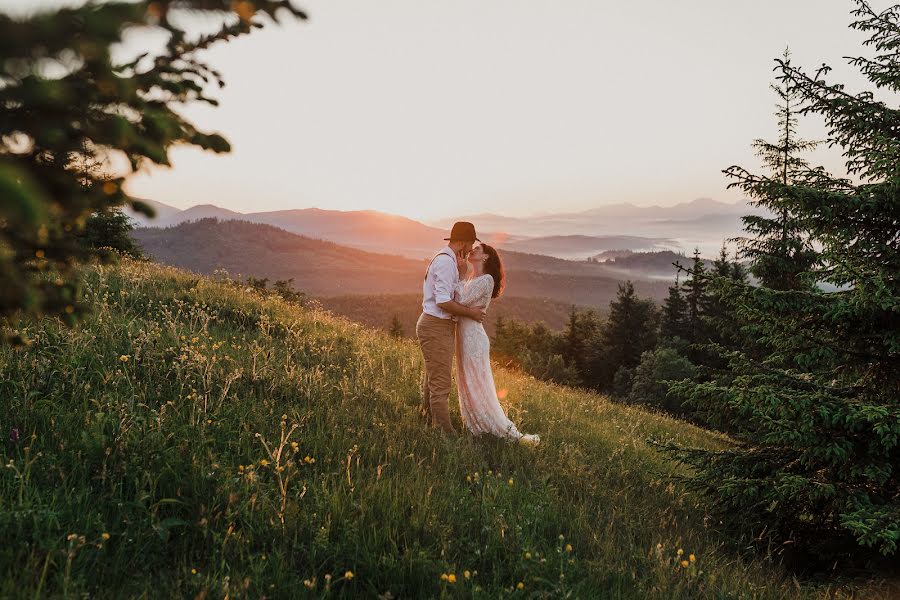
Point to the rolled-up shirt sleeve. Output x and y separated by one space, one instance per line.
445 278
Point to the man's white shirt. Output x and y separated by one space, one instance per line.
440 283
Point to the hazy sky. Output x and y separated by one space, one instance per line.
432 109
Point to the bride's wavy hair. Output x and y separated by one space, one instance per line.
493 266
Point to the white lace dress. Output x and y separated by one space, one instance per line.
478 402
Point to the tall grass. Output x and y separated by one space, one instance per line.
193 439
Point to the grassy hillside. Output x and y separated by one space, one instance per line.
192 439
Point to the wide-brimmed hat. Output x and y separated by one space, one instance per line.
463 231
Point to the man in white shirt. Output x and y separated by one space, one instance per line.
436 328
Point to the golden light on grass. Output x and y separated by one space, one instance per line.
334 379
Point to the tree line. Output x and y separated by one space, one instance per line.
801 366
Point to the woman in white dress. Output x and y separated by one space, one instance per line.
478 402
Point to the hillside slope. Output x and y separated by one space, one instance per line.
192 439
322 268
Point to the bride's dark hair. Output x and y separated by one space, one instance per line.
493 266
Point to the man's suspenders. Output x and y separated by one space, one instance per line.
432 262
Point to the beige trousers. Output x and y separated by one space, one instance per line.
437 337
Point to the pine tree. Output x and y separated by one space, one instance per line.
697 301
110 230
629 330
575 340
396 328
818 418
779 248
719 318
57 126
673 319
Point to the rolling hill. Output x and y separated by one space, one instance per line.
327 269
703 222
365 230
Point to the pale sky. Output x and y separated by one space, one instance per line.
431 109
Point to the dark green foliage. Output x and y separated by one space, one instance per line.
673 316
816 403
697 299
629 330
534 349
66 108
581 328
649 384
110 230
779 247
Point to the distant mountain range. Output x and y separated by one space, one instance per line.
365 230
704 223
325 269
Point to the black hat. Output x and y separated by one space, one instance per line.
463 231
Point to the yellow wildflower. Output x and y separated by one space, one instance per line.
685 564
510 482
193 571
467 574
680 552
692 558
520 586
348 575
263 462
443 577
104 535
124 358
569 548
451 578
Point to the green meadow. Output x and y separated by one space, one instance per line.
194 439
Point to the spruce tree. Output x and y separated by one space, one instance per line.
629 330
110 230
817 417
778 245
673 317
58 124
696 299
575 341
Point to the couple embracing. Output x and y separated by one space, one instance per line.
453 308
